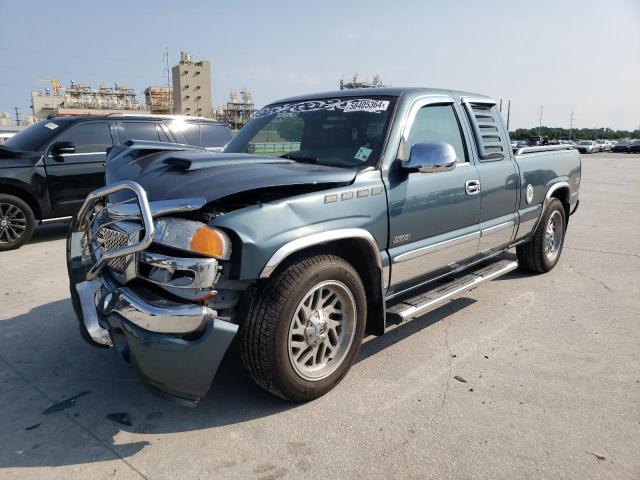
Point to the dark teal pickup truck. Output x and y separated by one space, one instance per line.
327 215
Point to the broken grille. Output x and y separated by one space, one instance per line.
110 239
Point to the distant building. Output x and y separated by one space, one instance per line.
357 83
159 100
238 110
80 99
191 87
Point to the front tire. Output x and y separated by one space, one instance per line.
542 252
17 222
304 328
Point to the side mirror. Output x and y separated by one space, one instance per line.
60 148
430 157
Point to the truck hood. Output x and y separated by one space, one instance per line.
169 175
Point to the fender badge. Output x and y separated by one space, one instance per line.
529 193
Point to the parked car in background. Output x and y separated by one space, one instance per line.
634 146
588 146
621 146
381 204
602 145
47 169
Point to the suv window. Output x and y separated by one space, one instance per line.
139 131
212 135
437 123
88 137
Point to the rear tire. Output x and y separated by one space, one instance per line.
304 328
542 252
17 222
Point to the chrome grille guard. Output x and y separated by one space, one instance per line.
91 210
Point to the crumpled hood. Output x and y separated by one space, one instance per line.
168 175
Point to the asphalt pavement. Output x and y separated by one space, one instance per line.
529 376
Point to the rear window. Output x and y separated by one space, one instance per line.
139 131
206 135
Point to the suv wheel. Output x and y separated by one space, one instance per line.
304 328
17 222
542 252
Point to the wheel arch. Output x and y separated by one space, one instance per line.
562 192
356 246
23 195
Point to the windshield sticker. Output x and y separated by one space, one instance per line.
363 154
333 104
373 106
51 125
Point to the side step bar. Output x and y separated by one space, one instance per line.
432 299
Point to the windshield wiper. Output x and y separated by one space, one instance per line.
296 158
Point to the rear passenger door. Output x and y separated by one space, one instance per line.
499 182
71 176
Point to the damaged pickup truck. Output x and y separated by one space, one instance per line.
326 216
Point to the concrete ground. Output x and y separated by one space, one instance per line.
551 363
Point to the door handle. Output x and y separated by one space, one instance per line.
472 187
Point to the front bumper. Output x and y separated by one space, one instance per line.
176 347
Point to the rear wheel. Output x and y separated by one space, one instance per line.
542 252
304 328
17 222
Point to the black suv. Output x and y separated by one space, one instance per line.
47 169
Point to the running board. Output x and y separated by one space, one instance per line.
432 299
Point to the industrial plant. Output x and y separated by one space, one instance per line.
190 95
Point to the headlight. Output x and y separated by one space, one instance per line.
192 237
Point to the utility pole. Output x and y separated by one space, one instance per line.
165 57
571 125
540 122
15 109
508 113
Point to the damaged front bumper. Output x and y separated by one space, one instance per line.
175 346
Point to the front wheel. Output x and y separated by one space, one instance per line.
304 328
17 222
542 252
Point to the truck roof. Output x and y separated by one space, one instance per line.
383 91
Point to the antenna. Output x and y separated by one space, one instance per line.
508 113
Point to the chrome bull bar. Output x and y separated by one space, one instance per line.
84 222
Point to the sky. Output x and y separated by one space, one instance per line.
580 55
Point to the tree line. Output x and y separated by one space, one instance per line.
552 133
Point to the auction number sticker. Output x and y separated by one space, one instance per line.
51 125
366 106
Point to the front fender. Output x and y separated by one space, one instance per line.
263 231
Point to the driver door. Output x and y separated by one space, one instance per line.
433 217
72 176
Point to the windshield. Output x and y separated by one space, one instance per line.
341 132
34 137
585 143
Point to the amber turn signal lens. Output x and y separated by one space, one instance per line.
211 243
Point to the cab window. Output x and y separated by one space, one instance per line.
437 123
